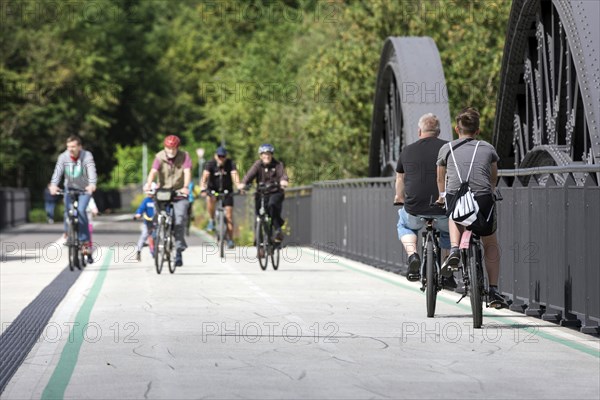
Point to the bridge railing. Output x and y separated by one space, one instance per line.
14 207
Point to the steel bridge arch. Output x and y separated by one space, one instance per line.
548 105
410 83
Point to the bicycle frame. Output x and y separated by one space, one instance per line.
164 234
264 230
430 234
220 219
76 257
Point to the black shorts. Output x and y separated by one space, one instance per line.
228 201
485 225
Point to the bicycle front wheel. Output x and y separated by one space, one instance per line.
73 248
159 247
170 248
476 277
82 259
73 257
261 245
275 255
431 274
221 233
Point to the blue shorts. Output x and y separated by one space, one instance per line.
409 224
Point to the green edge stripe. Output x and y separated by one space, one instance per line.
533 331
55 389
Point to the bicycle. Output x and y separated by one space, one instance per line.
431 262
265 245
472 271
164 242
77 259
473 277
221 223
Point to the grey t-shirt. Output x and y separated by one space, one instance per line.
463 149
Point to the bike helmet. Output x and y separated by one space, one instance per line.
266 148
172 141
221 151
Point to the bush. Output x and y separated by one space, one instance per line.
38 215
243 231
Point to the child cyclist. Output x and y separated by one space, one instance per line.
146 212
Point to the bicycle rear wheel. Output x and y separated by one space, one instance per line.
159 247
476 278
275 255
261 244
431 274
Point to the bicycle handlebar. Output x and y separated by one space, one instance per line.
61 192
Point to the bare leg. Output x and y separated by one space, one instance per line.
455 233
492 257
410 244
210 206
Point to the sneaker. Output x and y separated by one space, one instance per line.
211 226
230 244
178 260
138 256
278 236
90 259
449 282
496 300
50 221
451 263
414 264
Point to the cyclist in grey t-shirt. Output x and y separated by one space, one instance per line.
482 180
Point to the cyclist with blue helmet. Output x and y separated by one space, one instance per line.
270 172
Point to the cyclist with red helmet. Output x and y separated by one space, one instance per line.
173 170
270 172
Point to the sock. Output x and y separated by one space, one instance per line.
494 288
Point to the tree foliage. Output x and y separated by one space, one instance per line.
299 74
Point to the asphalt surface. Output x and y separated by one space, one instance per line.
319 327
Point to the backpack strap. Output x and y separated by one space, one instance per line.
456 165
457 146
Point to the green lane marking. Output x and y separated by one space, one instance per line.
55 389
532 330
